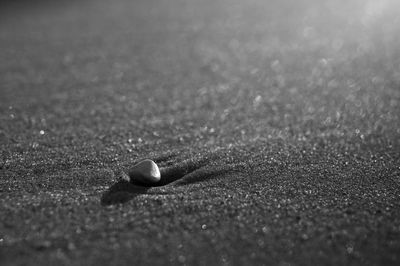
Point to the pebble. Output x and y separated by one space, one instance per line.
146 172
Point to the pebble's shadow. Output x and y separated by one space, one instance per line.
121 192
185 173
125 190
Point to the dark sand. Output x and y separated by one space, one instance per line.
278 122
